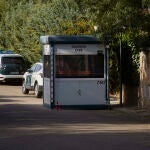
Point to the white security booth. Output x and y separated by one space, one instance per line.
75 72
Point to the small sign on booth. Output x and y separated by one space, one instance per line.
75 72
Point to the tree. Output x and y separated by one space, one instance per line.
25 21
112 16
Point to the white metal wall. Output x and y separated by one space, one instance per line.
80 91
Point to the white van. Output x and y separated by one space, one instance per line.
12 67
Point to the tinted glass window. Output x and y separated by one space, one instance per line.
13 65
38 67
12 60
47 66
74 66
33 67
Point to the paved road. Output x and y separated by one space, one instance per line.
26 125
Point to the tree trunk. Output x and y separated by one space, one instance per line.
130 95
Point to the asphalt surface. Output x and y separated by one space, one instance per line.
26 125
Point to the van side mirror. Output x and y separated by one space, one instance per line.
30 70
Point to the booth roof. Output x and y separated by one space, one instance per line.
62 39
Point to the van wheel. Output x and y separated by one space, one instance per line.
38 93
24 89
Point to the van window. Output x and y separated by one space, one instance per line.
12 60
33 67
38 68
12 65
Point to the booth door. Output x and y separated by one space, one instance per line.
80 79
92 91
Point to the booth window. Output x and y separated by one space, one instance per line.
47 66
80 66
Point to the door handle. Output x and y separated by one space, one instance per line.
79 92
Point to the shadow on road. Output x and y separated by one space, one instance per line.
26 125
30 126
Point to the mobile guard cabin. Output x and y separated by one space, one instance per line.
75 72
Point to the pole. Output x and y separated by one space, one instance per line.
120 69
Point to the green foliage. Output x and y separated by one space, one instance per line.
16 32
145 3
126 17
113 70
2 9
25 21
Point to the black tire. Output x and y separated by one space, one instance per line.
38 93
24 89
